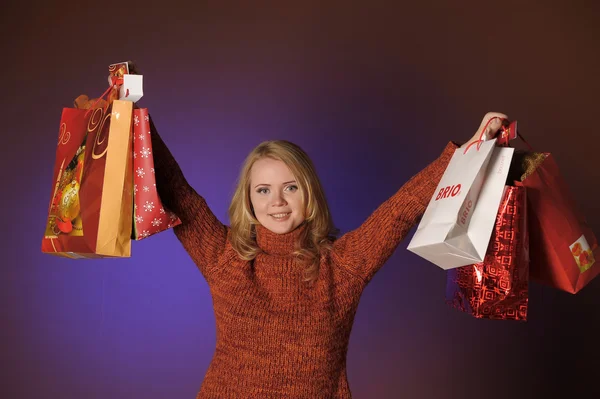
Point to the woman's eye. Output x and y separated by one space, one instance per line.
262 190
292 188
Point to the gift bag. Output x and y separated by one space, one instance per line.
497 288
564 250
456 227
90 209
150 216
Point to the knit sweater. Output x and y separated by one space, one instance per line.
278 337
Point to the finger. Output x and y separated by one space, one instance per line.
489 116
493 127
492 122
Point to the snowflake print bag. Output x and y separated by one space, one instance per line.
149 215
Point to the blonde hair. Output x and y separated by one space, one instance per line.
320 231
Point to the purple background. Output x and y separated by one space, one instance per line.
372 93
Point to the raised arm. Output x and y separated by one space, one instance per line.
363 251
201 233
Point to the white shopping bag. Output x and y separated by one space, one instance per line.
132 88
456 227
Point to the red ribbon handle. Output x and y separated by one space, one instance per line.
478 142
525 141
505 124
98 99
114 81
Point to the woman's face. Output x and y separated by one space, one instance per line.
275 196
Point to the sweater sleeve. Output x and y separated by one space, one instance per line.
203 236
363 251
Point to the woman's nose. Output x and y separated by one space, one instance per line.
278 200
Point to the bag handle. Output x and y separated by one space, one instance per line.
114 81
480 140
503 129
506 125
98 100
520 135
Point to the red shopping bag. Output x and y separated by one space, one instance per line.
564 250
497 288
150 216
90 213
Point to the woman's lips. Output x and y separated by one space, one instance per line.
280 217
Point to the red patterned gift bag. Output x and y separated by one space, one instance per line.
149 215
497 288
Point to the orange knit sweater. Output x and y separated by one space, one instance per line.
276 336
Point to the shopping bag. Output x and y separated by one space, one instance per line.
90 209
564 250
150 216
456 227
497 288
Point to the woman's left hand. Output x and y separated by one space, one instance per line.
491 129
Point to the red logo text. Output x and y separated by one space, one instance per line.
450 191
465 213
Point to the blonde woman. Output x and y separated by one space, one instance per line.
284 289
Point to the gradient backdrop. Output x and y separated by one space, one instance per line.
372 91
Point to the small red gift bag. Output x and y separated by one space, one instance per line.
497 288
149 215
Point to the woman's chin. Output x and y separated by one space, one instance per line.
279 227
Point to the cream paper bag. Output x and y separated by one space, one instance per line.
457 225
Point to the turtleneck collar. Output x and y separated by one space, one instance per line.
278 244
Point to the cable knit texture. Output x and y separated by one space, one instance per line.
278 337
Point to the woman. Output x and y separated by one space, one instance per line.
284 290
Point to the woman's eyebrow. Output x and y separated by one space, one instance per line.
265 184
